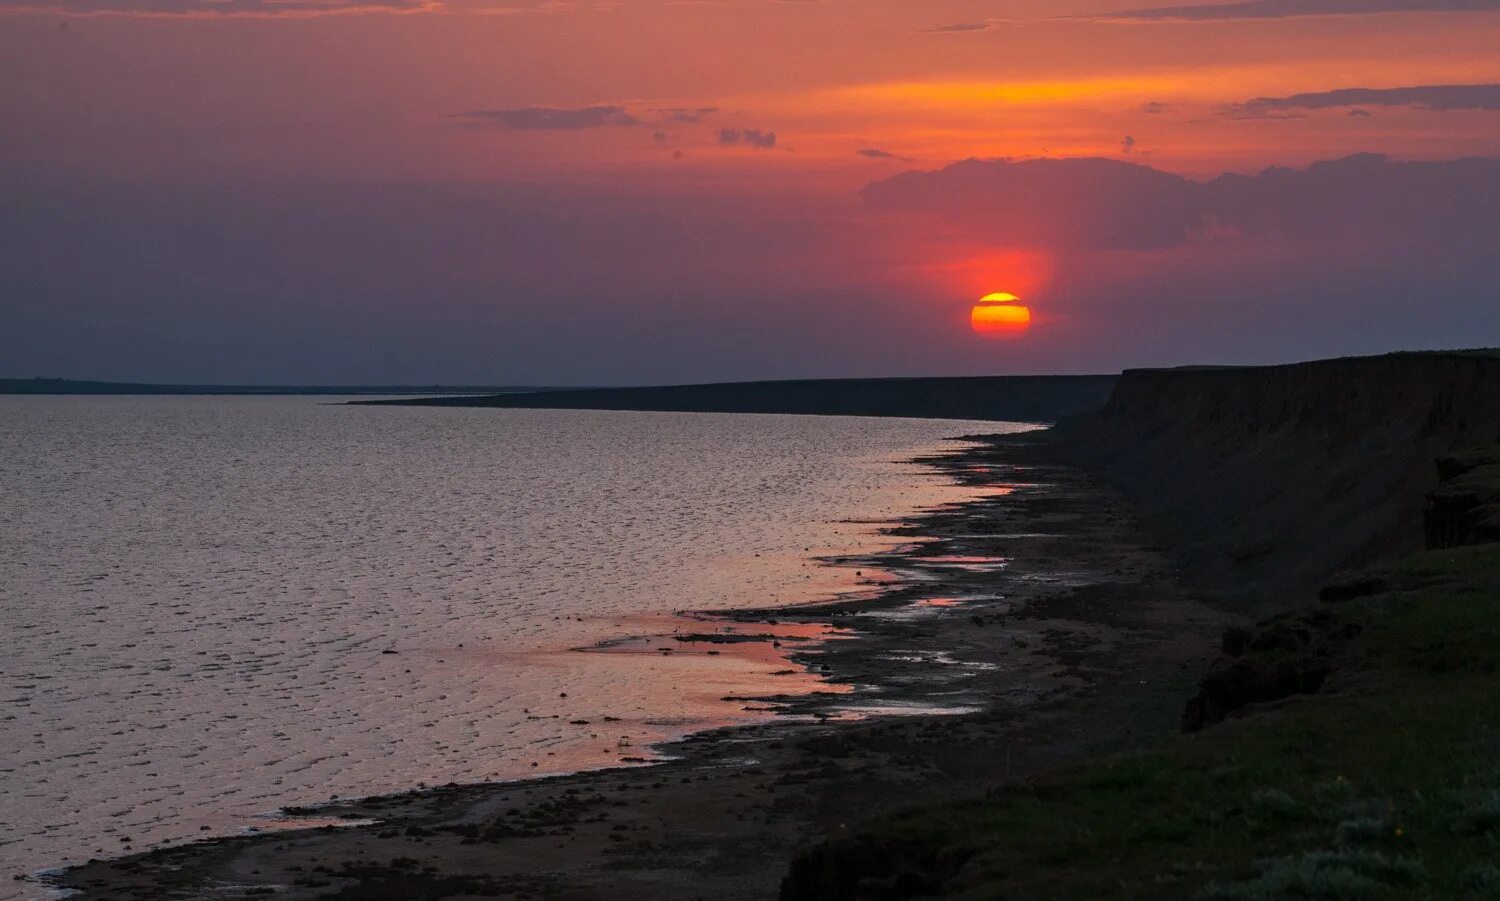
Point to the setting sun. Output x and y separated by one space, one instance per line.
1000 315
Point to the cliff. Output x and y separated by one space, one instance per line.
1341 752
1265 481
1012 398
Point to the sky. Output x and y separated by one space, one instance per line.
649 191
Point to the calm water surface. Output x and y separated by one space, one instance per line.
213 607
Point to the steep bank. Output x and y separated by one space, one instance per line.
1012 398
1265 481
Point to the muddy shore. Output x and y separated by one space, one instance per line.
1036 617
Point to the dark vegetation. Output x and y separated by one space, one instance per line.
1384 784
1013 398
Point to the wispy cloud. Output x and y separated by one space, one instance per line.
549 118
1439 97
963 27
1292 9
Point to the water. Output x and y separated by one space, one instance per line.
214 607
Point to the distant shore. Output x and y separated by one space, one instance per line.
1046 398
1034 609
58 386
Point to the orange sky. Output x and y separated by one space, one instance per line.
372 95
465 173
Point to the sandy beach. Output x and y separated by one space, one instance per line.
1036 611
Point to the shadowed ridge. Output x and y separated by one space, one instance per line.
1267 480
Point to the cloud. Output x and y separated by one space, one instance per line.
1291 9
753 137
1438 98
1128 144
1043 202
687 114
548 118
1113 205
1155 108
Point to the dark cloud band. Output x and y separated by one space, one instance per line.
1112 205
1441 98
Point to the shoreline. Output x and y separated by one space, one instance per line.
1038 669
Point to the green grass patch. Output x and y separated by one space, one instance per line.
1385 785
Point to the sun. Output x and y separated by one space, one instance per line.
1000 315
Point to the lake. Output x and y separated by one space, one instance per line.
214 607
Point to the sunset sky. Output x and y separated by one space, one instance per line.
635 191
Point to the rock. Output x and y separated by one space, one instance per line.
1349 588
1248 680
1284 656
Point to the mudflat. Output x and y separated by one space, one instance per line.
1029 626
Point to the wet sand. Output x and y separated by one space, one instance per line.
1017 631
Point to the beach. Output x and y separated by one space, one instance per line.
1033 617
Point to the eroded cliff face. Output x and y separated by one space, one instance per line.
1266 481
1465 508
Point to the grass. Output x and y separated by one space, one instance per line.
1385 785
